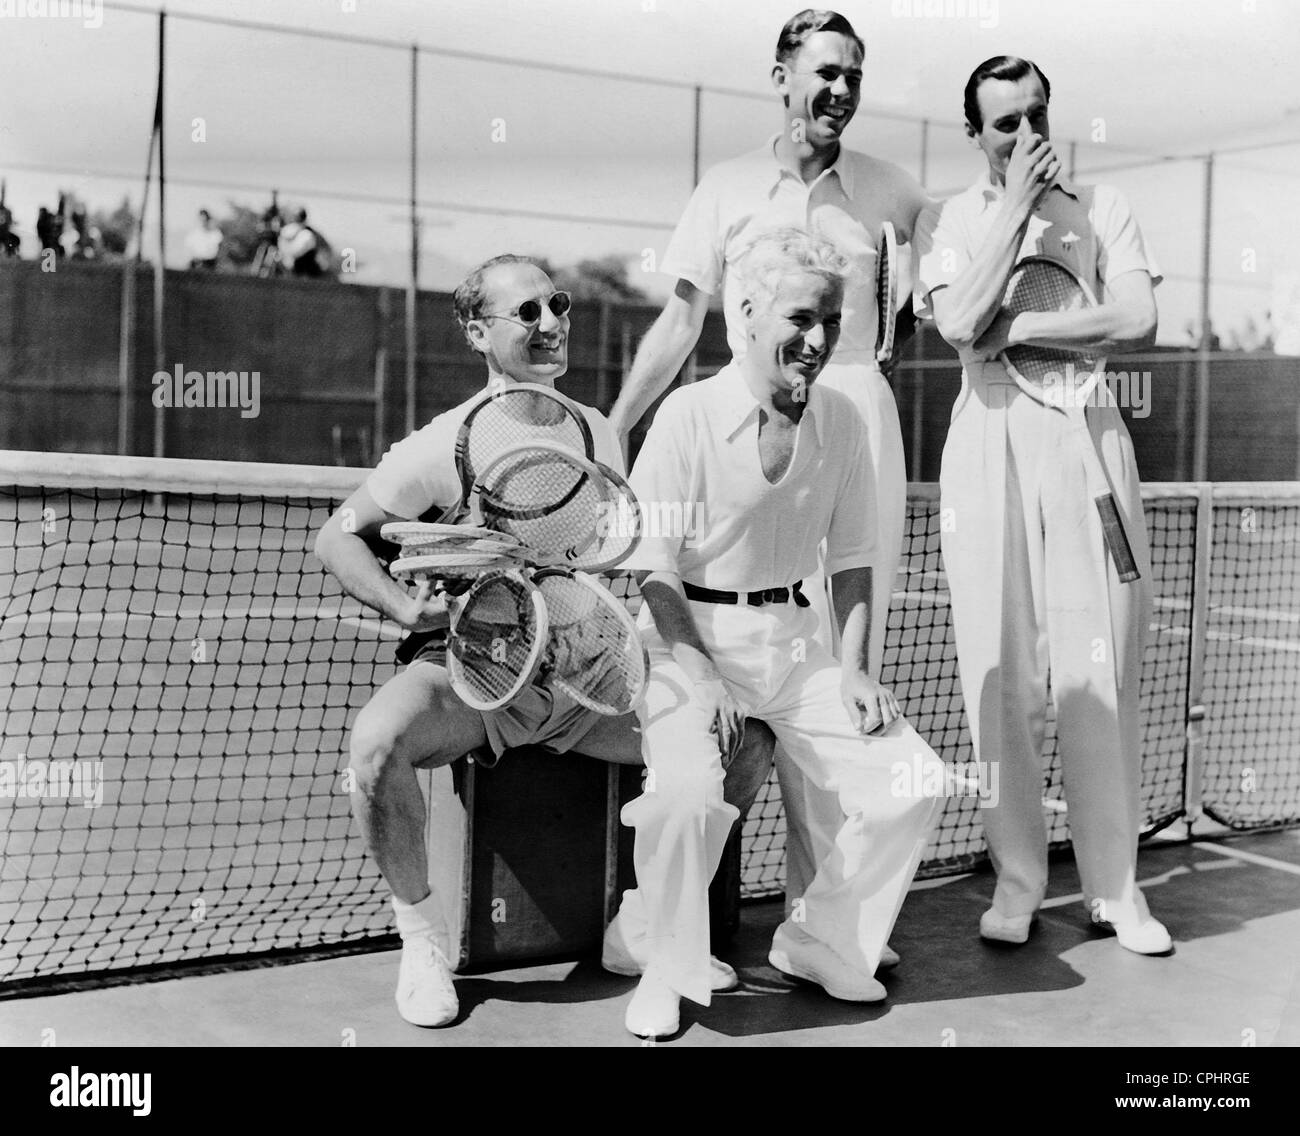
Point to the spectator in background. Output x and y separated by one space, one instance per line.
204 243
300 246
1250 338
83 241
49 227
9 240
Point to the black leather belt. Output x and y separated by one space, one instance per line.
754 599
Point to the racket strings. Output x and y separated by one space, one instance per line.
1041 288
515 418
545 502
495 639
618 531
594 652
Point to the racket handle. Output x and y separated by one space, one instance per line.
1112 529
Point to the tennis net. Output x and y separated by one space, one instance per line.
178 674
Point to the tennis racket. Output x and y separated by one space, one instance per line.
618 531
444 565
448 552
508 416
549 498
497 638
1065 380
594 652
886 291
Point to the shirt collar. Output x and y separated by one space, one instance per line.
736 404
990 193
842 168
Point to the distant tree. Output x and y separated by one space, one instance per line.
604 278
244 229
241 229
116 230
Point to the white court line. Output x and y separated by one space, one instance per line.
1164 877
1289 645
1077 897
1249 857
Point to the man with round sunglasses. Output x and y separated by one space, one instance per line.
804 178
518 324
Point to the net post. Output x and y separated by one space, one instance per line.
1194 752
919 375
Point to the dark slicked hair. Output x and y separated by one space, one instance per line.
802 26
1010 67
467 300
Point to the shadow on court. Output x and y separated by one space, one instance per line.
1233 907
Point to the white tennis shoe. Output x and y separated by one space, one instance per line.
1005 928
1142 934
426 995
799 955
626 955
655 1008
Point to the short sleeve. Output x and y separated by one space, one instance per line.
661 474
1120 245
851 539
940 252
419 471
696 251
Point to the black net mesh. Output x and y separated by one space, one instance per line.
178 674
1252 665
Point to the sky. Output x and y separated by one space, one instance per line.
604 166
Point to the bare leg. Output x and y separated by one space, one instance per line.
414 719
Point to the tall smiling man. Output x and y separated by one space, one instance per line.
780 467
1033 590
518 324
804 178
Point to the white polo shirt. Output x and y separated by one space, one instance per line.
741 198
420 471
1089 227
700 461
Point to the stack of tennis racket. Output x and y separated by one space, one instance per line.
536 514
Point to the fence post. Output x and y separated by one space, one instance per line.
413 285
125 354
160 269
1194 759
1201 447
381 369
603 399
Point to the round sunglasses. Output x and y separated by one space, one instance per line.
530 311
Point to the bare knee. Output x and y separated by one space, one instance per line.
373 754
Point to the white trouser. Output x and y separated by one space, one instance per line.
871 815
1033 590
867 388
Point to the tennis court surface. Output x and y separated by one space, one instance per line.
1233 907
170 645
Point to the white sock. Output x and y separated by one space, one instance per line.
423 918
